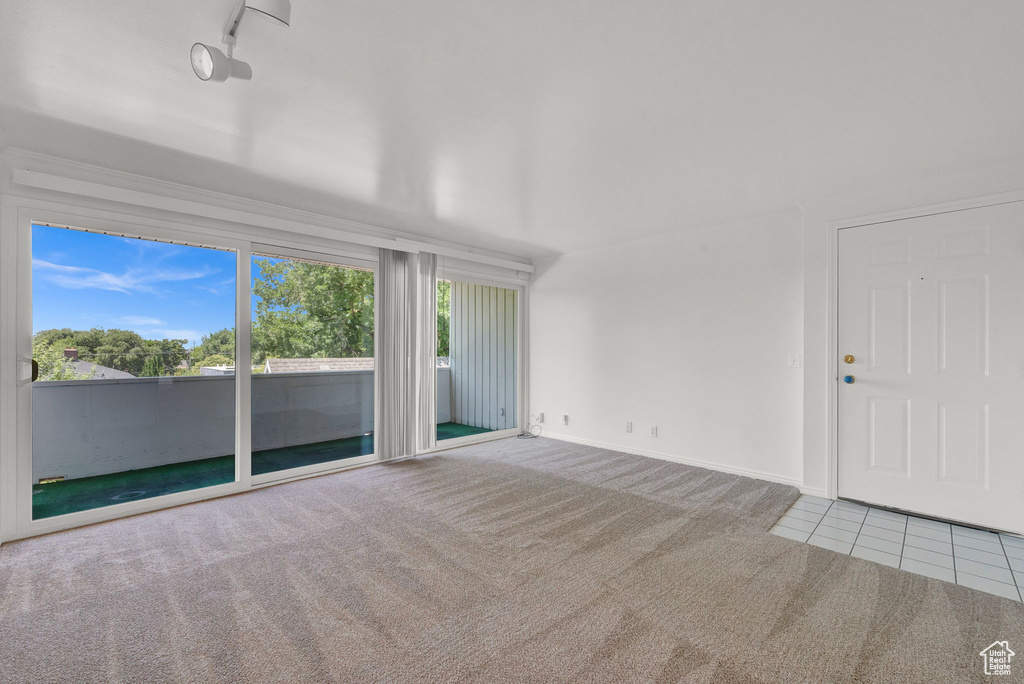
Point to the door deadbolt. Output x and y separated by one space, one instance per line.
849 358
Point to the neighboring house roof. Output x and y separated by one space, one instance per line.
99 372
318 365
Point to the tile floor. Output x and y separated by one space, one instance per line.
973 558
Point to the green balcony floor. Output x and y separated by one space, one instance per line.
453 430
85 493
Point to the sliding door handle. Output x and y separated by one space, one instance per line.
27 371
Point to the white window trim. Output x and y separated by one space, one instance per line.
334 257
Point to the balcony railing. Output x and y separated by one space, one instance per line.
86 428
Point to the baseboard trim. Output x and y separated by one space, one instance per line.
814 491
732 470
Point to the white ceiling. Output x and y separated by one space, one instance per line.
532 127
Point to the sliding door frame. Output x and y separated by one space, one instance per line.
522 357
340 259
127 226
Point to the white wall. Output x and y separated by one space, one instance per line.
690 332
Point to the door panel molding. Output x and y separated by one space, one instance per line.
823 221
954 438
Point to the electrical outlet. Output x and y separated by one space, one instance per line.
502 412
654 431
540 417
794 360
565 419
629 426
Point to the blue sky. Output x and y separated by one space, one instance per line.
85 280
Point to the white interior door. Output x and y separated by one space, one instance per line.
931 310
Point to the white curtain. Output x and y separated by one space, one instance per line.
426 351
395 422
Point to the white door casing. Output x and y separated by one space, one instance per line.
932 310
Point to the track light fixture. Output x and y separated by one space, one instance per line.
211 64
276 11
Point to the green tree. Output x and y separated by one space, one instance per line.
169 353
444 316
221 342
52 364
307 310
217 360
152 368
124 350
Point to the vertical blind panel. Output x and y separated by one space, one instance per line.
426 356
512 352
483 355
394 434
454 343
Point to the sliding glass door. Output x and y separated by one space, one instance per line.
313 361
477 350
121 408
137 393
161 362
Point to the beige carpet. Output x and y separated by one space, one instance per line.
514 561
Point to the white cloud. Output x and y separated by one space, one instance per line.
132 280
139 320
220 288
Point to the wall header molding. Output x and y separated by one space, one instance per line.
132 190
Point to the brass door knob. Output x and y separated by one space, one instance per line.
849 358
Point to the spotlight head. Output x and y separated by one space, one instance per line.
210 64
276 11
